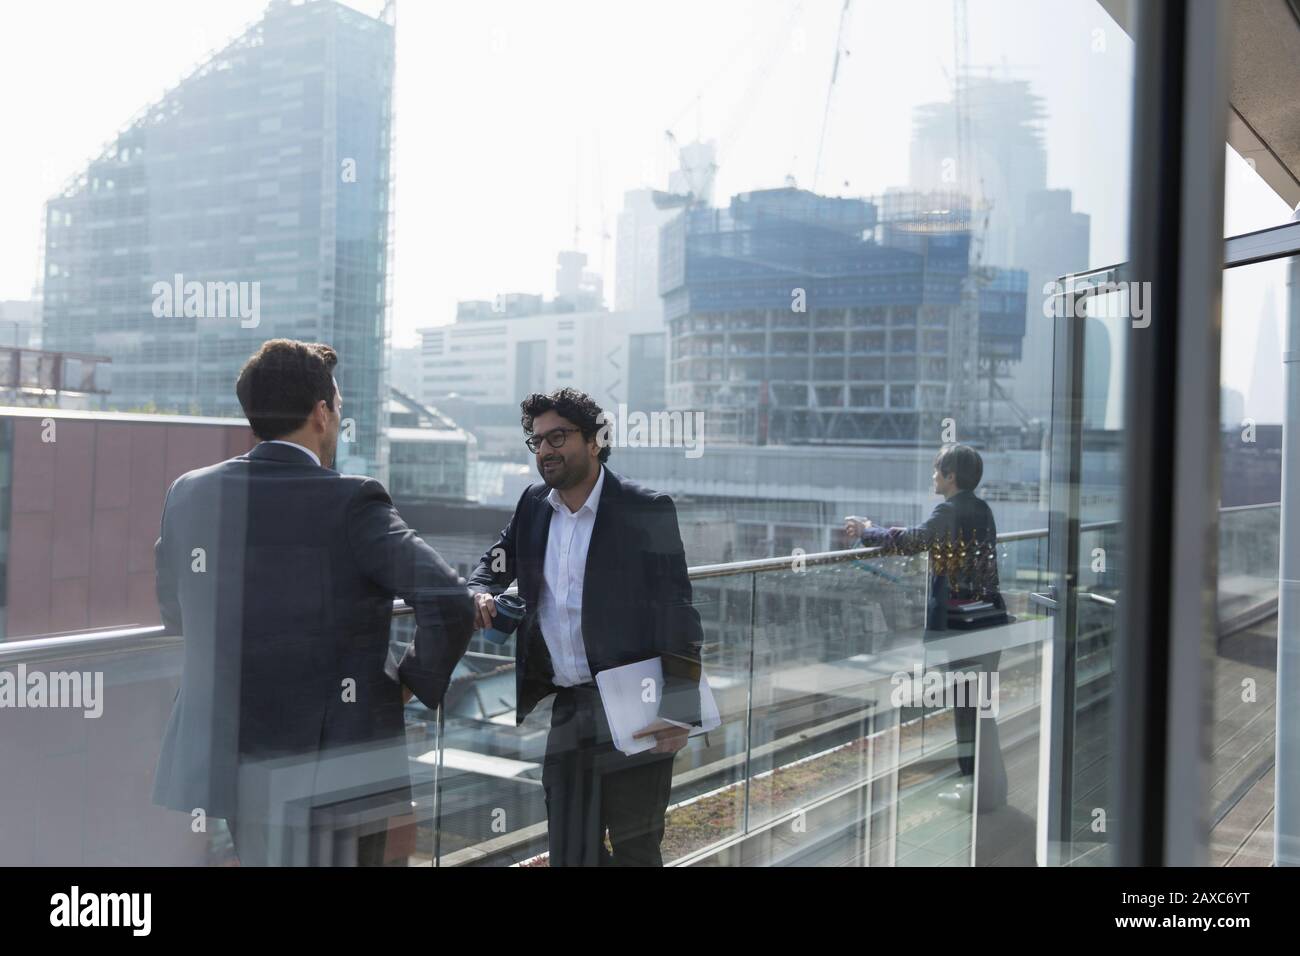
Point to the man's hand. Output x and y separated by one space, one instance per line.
854 526
668 738
407 694
485 608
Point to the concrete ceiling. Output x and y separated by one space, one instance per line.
1265 92
1264 125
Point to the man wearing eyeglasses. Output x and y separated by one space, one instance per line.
602 572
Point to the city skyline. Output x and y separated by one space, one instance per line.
758 119
600 118
775 357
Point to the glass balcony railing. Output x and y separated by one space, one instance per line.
828 752
1243 685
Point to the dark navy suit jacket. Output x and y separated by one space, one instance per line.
280 575
636 595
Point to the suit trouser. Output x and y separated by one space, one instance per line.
592 788
993 773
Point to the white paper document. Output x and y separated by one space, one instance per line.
631 695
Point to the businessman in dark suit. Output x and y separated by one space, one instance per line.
960 537
280 573
602 572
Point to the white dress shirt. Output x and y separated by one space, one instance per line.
560 609
294 444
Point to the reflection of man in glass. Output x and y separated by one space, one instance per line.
288 698
961 538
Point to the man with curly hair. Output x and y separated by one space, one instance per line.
602 571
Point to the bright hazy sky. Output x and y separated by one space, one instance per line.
514 119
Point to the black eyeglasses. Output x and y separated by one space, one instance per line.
556 437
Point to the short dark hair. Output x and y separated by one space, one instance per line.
569 403
962 461
281 383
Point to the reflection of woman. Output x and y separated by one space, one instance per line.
961 538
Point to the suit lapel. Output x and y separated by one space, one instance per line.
534 530
538 534
600 559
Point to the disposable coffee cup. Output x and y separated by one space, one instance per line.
510 611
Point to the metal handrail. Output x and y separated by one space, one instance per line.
855 554
126 639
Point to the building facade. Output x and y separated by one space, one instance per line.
251 202
480 367
429 456
1002 162
636 254
81 498
794 317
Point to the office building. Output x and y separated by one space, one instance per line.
250 202
636 252
1001 161
429 456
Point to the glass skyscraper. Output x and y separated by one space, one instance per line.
251 202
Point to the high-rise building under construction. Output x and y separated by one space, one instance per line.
797 318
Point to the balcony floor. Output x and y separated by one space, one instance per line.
1242 788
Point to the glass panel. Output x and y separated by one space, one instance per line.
1094 676
812 287
710 788
77 786
1087 567
830 640
491 805
1258 315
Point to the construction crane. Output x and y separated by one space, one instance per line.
699 176
830 89
699 179
971 183
964 361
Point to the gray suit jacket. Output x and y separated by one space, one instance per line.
280 575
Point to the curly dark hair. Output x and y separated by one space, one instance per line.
569 403
282 382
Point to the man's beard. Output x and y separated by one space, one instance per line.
564 475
